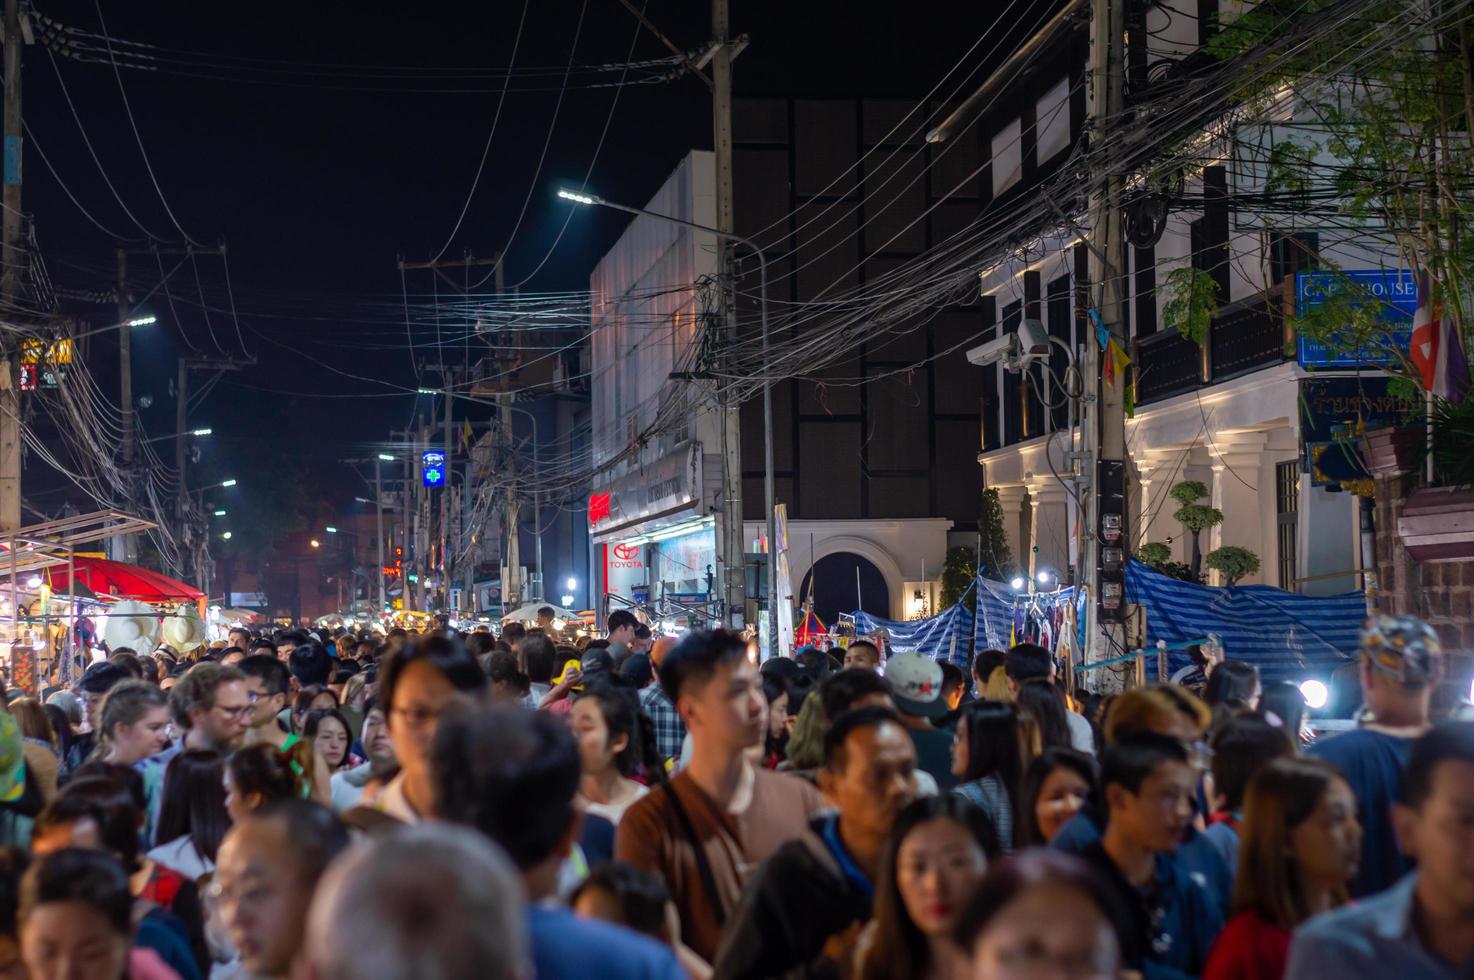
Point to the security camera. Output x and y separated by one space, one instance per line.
1016 350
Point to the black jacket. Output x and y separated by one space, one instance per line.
795 902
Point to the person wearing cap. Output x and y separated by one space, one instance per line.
1401 663
916 690
96 681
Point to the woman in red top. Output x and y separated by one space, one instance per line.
1299 845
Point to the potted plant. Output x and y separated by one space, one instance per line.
1195 517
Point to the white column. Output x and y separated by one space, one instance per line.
1153 471
1011 499
1049 526
1238 482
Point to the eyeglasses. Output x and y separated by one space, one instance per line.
416 717
239 712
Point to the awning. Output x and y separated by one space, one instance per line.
122 581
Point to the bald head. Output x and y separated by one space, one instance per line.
435 900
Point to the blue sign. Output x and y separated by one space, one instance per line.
1396 290
432 464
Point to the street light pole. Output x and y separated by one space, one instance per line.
379 524
762 260
537 525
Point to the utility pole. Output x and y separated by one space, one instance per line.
1105 521
181 456
10 421
379 527
125 548
447 376
729 539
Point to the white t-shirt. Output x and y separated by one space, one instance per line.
180 855
613 811
1082 739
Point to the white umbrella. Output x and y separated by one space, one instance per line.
528 613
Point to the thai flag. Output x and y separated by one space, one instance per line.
1437 350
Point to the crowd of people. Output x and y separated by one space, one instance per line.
446 805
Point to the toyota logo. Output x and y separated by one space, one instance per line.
627 552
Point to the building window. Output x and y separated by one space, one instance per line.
1287 518
1289 254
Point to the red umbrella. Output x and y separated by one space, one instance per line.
123 581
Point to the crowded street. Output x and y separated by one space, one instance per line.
737 491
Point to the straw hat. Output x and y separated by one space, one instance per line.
184 630
132 624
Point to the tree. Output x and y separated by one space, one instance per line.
1233 563
1195 517
1158 557
957 575
997 556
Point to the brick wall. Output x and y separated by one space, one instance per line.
1440 592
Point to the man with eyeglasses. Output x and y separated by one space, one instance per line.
268 683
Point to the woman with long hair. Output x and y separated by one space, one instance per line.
775 743
332 738
1299 844
614 744
938 852
987 760
1043 703
313 697
192 819
1056 786
134 725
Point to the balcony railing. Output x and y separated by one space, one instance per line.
1241 340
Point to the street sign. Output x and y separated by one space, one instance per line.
433 468
1395 289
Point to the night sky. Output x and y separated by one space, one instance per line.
318 183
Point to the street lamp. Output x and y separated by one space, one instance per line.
228 483
138 321
585 198
330 529
176 435
315 543
220 513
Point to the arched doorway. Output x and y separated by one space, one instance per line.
834 578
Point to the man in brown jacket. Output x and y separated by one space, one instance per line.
708 830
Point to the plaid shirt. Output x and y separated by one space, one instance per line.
669 729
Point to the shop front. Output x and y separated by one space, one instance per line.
654 549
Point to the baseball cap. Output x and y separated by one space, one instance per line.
1404 648
916 685
12 760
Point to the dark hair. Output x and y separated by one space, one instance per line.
1043 702
622 716
899 950
993 744
310 664
642 632
13 863
302 703
127 779
502 668
696 657
640 896
129 661
264 772
100 678
510 773
1452 741
1232 680
1284 700
952 675
845 724
314 719
841 689
1027 661
194 801
446 654
512 632
637 669
1241 747
984 662
1033 783
816 663
295 637
77 875
1013 876
620 618
271 671
547 611
313 834
865 643
107 803
61 727
1130 759
262 643
478 644
539 657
